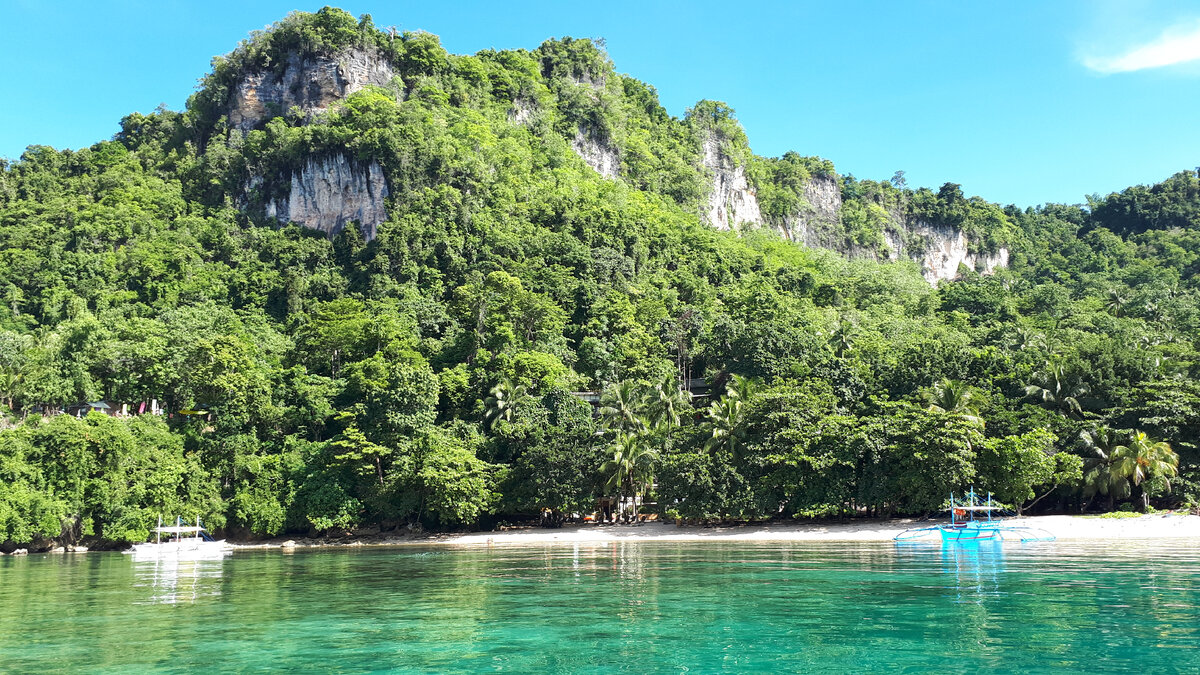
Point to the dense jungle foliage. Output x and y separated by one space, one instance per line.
427 376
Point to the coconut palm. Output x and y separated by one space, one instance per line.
742 388
10 386
841 340
1099 477
954 398
621 407
1024 339
726 415
666 402
631 470
1057 389
1143 458
1116 302
507 397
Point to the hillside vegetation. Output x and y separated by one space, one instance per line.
327 384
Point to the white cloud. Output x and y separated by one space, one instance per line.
1178 44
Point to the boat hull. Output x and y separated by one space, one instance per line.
180 550
970 532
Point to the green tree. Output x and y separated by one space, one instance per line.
505 401
1144 458
631 470
953 397
1057 389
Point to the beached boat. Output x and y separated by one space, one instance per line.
189 542
973 521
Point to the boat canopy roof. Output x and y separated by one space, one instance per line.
179 529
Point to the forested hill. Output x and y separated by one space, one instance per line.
371 284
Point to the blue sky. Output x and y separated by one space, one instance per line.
1021 102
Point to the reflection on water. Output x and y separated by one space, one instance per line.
613 607
172 581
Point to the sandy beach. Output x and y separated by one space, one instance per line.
1076 528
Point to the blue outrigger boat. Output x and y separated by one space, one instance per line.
972 521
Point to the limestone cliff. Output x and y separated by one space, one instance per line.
817 224
329 193
940 250
730 200
596 153
310 83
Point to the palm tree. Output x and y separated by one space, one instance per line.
1024 339
1142 459
1058 390
621 406
742 388
1099 477
10 386
631 470
504 402
841 340
727 415
954 398
1116 302
666 403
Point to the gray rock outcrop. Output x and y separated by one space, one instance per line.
730 201
818 223
596 153
942 249
938 249
310 83
330 192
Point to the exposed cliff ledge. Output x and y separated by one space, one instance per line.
730 200
817 224
310 83
330 192
596 153
938 249
941 250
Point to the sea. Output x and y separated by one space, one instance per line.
651 607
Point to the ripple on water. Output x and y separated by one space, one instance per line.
605 607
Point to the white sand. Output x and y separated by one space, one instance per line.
1074 528
1062 527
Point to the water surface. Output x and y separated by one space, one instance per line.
649 607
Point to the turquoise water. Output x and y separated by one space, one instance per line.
613 608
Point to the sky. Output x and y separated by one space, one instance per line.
1023 102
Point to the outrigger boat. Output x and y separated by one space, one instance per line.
188 542
972 521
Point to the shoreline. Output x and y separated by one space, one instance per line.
1069 528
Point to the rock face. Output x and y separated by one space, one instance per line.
330 192
938 249
597 154
817 225
521 113
941 252
730 201
311 83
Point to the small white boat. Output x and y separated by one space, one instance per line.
184 542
